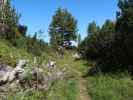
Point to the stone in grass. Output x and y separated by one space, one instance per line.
8 74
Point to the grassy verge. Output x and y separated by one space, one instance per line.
108 87
77 68
64 90
68 89
27 95
10 55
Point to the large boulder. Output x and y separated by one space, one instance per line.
17 71
8 74
4 73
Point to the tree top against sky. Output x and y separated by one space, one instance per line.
38 14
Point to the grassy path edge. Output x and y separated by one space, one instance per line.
83 90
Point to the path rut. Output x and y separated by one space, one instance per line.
83 90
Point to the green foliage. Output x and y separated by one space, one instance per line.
10 55
124 36
98 40
20 42
111 45
68 88
35 46
64 90
93 28
9 21
62 28
74 68
79 39
28 95
110 87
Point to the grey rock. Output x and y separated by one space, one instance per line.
76 56
51 65
8 74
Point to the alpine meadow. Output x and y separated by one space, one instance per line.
66 50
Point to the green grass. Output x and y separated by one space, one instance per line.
77 68
100 87
64 90
68 89
10 55
27 95
108 87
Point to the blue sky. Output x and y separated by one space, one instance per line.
37 14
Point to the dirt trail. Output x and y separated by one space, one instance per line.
83 90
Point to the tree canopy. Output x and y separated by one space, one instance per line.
63 28
111 46
8 21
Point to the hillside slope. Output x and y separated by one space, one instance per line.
100 87
10 55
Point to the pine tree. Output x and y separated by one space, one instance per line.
124 29
62 28
92 28
8 20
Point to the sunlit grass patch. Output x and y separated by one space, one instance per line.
107 87
64 90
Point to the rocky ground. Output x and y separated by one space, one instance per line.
21 78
